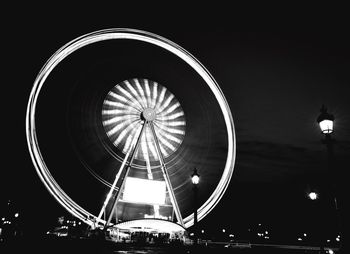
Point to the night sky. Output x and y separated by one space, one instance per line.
275 81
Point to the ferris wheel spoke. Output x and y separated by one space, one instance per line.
171 117
126 93
155 94
132 138
120 125
135 94
122 106
116 104
174 123
127 144
141 92
130 129
165 104
123 102
116 112
129 100
160 98
118 97
170 109
148 93
112 132
165 144
168 129
169 136
119 118
163 150
113 104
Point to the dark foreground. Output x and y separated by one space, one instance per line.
86 246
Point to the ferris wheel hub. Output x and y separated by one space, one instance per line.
148 114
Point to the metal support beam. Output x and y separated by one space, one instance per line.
123 176
110 193
166 176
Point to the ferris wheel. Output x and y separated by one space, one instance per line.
147 131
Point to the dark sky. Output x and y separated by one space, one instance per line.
275 80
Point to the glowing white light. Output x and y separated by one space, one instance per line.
170 109
175 123
164 141
151 225
299 239
305 234
16 215
202 231
330 251
119 120
144 191
223 230
326 126
313 195
195 180
171 117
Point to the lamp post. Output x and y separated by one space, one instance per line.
195 181
326 124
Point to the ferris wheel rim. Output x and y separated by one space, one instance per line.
129 34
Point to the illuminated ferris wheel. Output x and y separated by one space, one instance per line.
149 137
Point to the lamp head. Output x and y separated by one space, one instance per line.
313 195
195 177
325 121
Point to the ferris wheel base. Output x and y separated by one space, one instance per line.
147 231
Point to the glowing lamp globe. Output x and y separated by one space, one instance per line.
325 120
195 177
313 195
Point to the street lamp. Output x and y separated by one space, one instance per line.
195 182
325 120
326 124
